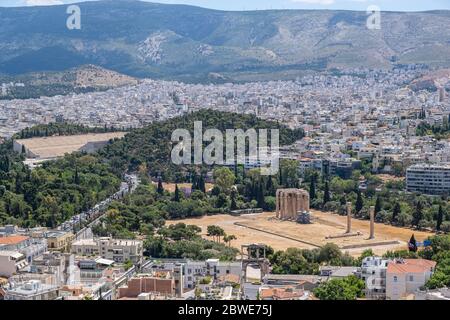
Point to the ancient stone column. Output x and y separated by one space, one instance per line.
290 205
295 204
299 203
372 223
285 206
306 204
349 217
277 201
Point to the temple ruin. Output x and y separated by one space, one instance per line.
290 203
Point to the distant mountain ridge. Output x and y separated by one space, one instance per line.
195 44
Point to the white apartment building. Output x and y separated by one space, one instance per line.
32 290
11 262
428 178
113 249
211 267
373 273
405 277
192 271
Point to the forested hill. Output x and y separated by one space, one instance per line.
56 191
150 148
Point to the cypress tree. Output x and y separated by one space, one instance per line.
160 189
233 205
76 178
326 195
270 189
412 245
194 182
359 202
177 194
260 196
417 214
378 205
440 218
201 184
312 188
397 210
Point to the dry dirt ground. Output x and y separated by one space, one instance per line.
265 228
171 186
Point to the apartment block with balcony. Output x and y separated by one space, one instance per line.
116 250
373 273
428 179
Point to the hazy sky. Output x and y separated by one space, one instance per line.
387 5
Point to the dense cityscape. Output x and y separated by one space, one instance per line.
93 208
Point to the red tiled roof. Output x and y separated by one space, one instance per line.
13 239
280 293
411 266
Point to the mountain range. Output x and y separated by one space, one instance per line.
194 44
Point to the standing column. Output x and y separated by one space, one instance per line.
349 217
299 203
306 203
285 206
296 208
277 201
289 206
372 223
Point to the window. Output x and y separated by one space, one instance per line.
395 279
411 278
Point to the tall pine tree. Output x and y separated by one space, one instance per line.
378 205
397 210
440 218
160 188
417 214
312 188
359 202
176 197
326 195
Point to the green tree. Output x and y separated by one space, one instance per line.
233 205
412 245
160 188
312 187
378 205
359 202
440 218
176 197
228 238
224 179
326 195
260 196
349 288
396 211
417 214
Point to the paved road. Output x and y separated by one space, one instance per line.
129 185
